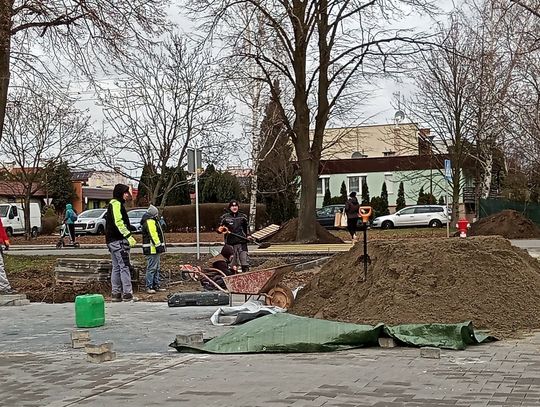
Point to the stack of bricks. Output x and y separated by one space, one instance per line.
79 339
98 353
13 300
194 339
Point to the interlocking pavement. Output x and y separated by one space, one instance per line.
37 368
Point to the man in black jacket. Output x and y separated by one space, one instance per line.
237 224
119 240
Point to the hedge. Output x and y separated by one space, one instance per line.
181 218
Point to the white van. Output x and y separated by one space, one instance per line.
12 216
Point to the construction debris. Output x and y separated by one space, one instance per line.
13 300
80 338
98 353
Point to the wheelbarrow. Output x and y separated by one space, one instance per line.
263 283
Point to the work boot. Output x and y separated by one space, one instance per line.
116 297
129 298
150 291
159 289
245 269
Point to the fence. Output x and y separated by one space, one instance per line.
492 206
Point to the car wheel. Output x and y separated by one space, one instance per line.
9 232
34 232
100 230
435 223
387 224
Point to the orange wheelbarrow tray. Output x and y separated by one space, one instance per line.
265 283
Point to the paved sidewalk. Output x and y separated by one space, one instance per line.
37 368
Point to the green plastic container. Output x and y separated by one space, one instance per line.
89 310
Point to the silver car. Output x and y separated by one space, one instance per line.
433 216
91 221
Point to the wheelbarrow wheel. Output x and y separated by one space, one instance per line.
280 296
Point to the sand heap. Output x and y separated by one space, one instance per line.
482 279
287 234
508 223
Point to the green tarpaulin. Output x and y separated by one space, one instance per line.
290 333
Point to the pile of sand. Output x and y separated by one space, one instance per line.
287 234
483 279
508 223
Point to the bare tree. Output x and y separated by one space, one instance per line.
168 99
41 128
77 31
330 47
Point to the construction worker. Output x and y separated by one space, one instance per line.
237 235
5 287
153 246
119 241
351 210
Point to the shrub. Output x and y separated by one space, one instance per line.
49 224
181 218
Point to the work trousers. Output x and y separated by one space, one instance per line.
4 283
121 274
153 262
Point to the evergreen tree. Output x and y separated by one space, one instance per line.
59 186
179 194
379 206
421 196
384 201
220 187
400 202
365 192
327 198
145 187
441 200
343 192
277 183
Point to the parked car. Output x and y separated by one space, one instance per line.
419 215
327 214
91 221
135 217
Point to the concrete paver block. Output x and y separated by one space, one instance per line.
13 299
101 357
430 353
98 349
190 339
80 334
387 343
79 343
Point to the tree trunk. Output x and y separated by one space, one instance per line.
307 218
6 7
487 168
253 201
27 220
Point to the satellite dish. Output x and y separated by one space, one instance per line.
399 116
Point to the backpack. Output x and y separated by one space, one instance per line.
73 216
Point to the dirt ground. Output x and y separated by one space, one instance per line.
34 276
508 223
483 279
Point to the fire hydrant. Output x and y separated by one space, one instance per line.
463 225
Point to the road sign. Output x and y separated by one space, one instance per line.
191 159
448 170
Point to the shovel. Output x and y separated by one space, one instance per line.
262 245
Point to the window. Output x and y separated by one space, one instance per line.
388 178
389 153
406 211
14 211
322 185
355 183
423 209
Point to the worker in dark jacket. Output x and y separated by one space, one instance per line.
221 262
352 208
153 246
236 234
119 241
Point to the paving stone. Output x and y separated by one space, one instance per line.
98 348
430 353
